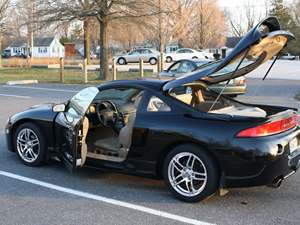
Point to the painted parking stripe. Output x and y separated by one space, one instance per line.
40 88
15 96
104 199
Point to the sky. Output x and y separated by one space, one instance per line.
236 8
235 3
232 5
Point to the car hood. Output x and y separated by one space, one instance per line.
259 45
42 112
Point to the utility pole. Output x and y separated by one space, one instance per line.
31 29
87 40
161 49
1 48
160 36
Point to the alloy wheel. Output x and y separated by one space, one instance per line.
28 145
187 174
121 61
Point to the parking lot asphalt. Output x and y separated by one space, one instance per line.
25 202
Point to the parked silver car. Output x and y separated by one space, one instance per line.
147 54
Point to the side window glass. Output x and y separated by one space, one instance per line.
185 67
133 53
175 67
157 105
120 96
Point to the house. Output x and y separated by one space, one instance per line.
49 47
173 46
17 49
70 51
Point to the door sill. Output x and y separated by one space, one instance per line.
104 157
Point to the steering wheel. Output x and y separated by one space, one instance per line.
107 113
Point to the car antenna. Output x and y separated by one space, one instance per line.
232 75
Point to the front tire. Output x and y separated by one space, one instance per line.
153 61
30 145
122 61
190 173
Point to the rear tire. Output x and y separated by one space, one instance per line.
122 61
169 59
153 61
30 145
190 173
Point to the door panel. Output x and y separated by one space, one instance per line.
69 128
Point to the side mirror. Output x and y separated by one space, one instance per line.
59 108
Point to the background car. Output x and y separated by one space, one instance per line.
186 53
6 53
287 56
235 87
147 54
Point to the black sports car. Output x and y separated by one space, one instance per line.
235 87
197 140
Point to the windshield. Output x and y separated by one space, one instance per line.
81 101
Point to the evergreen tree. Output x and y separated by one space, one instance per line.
287 22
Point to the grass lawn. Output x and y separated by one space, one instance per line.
44 75
297 96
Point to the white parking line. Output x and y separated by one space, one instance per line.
15 96
40 88
104 199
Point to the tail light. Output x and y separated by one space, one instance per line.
273 127
240 81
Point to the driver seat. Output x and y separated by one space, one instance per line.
123 141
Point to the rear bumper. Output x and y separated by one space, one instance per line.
273 161
230 89
280 169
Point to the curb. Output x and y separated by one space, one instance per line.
18 82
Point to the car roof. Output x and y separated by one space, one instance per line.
185 48
194 60
154 84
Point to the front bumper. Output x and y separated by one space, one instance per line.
9 136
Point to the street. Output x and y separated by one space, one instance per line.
87 196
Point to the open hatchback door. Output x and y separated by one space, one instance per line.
259 45
71 127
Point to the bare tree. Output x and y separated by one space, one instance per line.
207 27
244 17
104 11
295 9
128 32
170 22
